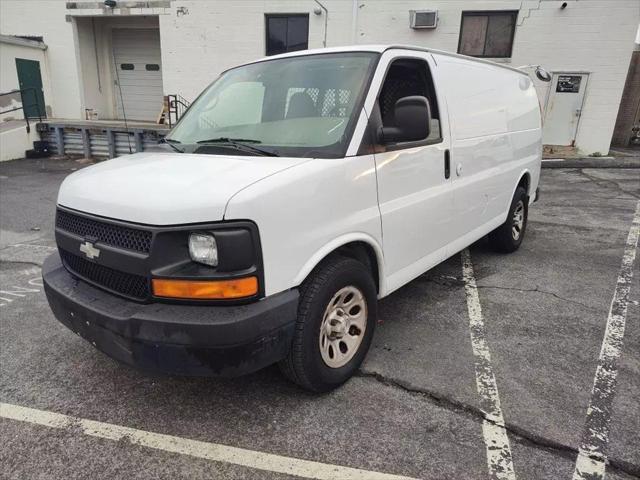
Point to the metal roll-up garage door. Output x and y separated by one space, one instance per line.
138 83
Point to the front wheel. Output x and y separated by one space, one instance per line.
508 236
337 315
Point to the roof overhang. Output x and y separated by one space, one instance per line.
22 42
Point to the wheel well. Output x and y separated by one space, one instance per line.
364 253
524 182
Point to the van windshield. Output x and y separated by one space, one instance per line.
298 106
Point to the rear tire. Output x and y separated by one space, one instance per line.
508 236
337 314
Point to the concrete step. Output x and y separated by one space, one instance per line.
15 140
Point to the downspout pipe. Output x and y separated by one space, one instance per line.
326 20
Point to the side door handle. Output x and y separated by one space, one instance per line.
447 164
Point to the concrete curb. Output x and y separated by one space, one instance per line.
592 162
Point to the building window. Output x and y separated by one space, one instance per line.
287 33
487 34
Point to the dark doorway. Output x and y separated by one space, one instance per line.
30 81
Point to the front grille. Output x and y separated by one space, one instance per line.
134 286
108 233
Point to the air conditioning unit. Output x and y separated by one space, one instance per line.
423 18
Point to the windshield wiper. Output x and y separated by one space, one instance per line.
240 144
172 143
229 140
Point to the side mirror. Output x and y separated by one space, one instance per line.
413 121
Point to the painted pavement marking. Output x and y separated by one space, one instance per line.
499 459
16 292
592 456
25 253
18 246
34 245
209 451
21 252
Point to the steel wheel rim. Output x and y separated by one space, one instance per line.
517 223
343 326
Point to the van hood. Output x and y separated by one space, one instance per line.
166 188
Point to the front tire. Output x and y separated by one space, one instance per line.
508 236
337 314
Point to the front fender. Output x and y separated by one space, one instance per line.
334 245
306 212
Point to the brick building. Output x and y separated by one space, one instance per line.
107 59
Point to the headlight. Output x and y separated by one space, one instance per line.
203 248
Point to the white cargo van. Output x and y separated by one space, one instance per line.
295 192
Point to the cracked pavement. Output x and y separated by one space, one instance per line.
413 409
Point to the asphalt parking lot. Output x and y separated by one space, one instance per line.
415 410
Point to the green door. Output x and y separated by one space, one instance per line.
30 82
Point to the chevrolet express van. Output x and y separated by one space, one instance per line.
295 192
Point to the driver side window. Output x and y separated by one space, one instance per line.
405 77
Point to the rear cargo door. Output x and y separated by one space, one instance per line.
495 138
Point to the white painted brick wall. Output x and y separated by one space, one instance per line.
46 18
595 36
214 36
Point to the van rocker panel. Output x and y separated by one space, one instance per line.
200 340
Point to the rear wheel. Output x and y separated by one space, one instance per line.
336 319
508 236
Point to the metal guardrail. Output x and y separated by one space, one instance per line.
96 140
22 106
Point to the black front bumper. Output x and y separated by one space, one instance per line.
169 338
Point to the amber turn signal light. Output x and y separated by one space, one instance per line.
205 289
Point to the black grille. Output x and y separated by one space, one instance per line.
133 286
108 233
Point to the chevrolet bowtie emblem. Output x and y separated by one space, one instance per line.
89 250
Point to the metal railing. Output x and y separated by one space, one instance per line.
24 106
177 105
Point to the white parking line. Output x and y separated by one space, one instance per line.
499 458
209 451
592 456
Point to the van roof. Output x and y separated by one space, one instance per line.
384 48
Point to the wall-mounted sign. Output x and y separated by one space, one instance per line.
568 84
